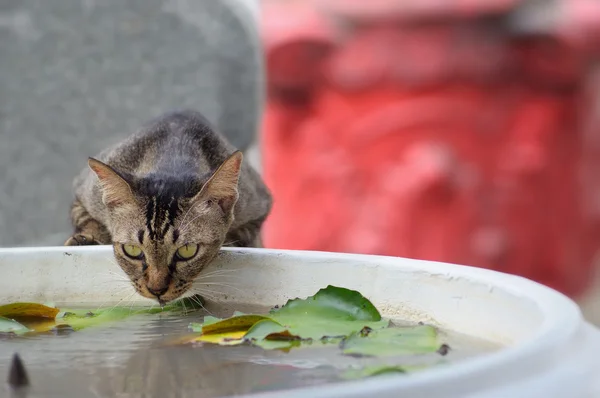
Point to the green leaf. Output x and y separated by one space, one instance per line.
262 329
371 371
81 319
377 370
394 341
11 326
283 345
38 318
271 335
318 327
331 312
331 302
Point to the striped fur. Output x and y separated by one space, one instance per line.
176 182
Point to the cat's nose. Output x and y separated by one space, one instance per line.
158 292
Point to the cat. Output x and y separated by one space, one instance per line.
167 199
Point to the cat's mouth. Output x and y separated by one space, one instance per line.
165 295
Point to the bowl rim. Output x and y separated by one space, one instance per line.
562 321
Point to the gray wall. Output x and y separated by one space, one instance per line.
77 75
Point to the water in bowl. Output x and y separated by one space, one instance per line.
133 358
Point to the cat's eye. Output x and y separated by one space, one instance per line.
133 251
188 251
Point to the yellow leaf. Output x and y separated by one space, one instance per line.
228 338
28 310
234 324
39 325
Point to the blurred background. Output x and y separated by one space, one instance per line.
463 131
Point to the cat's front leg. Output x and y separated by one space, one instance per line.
88 231
81 240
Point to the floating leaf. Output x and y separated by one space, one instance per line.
233 324
227 338
263 329
38 325
11 326
332 302
319 327
28 310
208 320
283 345
371 371
271 335
80 319
393 342
40 318
331 312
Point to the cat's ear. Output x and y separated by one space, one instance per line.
115 190
222 186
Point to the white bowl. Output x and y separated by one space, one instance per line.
550 350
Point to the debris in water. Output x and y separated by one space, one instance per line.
17 377
365 331
62 330
444 349
7 335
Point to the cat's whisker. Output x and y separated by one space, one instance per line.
199 302
114 282
220 271
122 275
122 290
116 277
132 304
128 297
217 275
221 284
235 280
202 290
230 243
184 307
111 260
212 277
149 309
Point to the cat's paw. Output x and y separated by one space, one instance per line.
81 240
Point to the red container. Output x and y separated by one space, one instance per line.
457 131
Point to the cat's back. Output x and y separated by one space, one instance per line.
175 143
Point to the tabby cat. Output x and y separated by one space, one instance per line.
167 198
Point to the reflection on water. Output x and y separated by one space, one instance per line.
131 359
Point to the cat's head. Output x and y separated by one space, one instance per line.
166 229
